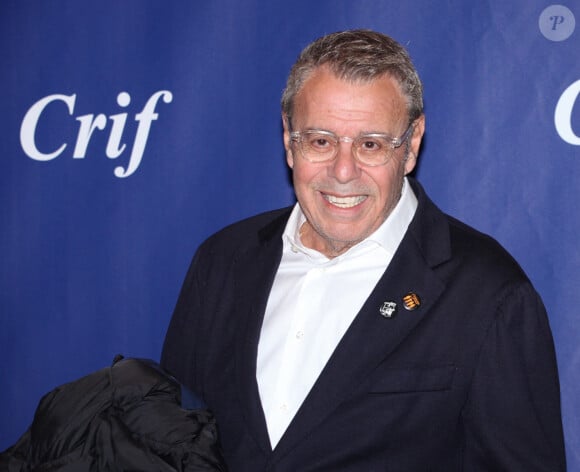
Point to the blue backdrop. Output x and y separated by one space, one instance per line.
132 130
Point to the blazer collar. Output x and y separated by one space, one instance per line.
429 228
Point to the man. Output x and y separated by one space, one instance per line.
363 329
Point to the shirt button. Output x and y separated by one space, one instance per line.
299 334
283 407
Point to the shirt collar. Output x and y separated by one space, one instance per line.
388 236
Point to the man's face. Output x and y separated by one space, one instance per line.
344 201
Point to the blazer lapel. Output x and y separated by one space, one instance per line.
255 272
372 337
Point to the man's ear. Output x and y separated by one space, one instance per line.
287 141
415 144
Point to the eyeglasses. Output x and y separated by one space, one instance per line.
372 149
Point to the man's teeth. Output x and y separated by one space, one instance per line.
345 202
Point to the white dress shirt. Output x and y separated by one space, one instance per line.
312 303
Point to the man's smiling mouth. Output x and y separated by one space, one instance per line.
345 202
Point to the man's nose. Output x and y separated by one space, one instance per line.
345 167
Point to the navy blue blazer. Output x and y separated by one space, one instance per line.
467 381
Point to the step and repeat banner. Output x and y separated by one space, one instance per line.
132 130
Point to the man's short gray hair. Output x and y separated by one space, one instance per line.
357 55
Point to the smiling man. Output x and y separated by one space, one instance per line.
363 329
348 187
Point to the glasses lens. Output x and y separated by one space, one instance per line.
372 150
318 146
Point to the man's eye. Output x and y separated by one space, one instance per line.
319 143
371 145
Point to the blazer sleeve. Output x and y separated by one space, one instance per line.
512 419
183 334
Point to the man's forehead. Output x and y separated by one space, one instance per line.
326 94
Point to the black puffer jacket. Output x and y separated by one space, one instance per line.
127 417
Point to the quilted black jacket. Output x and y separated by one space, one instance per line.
127 417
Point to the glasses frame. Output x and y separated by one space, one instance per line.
297 137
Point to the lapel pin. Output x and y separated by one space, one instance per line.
411 301
388 309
